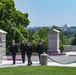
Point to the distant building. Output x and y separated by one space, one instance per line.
34 28
72 28
66 28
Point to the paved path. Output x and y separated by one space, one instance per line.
63 58
35 63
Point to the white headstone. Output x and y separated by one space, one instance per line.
53 41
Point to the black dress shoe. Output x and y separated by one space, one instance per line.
28 64
31 63
13 63
23 62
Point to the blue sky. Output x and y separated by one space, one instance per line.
49 12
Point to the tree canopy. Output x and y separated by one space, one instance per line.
74 40
13 21
10 17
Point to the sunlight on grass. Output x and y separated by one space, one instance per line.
38 70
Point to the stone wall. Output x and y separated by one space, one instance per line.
68 48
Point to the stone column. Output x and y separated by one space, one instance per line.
0 53
53 41
2 44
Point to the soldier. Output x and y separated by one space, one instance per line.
23 50
13 50
40 50
29 53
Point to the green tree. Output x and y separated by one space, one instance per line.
69 36
74 40
35 39
43 34
30 34
39 35
13 21
20 19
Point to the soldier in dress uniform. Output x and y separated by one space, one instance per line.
40 50
29 53
13 50
23 47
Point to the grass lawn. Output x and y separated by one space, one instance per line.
38 70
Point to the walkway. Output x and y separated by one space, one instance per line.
7 62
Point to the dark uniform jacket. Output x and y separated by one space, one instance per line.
23 47
40 48
29 49
13 48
